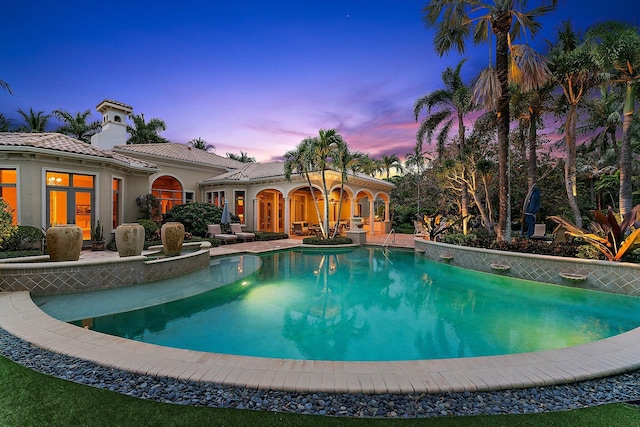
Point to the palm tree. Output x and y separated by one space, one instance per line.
298 161
315 155
391 162
243 157
201 144
619 50
143 132
416 159
34 122
453 22
605 117
77 126
454 101
529 107
368 165
4 85
574 70
5 123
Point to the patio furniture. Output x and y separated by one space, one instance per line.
540 233
301 228
245 236
214 230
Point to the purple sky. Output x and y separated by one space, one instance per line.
246 75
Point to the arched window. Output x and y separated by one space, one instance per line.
168 191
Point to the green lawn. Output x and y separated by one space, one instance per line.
28 398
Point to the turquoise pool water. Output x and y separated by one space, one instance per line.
361 305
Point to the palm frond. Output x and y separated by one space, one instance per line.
487 90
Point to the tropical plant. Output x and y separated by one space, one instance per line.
34 121
575 71
201 144
417 159
4 85
143 132
77 126
391 162
242 157
316 155
97 235
453 21
7 228
454 102
612 239
618 50
5 123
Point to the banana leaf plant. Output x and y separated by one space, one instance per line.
612 239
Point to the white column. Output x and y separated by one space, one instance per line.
287 216
255 214
372 217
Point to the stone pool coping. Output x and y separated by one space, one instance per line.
21 317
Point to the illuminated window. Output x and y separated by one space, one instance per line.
116 188
216 198
168 191
9 191
70 200
239 203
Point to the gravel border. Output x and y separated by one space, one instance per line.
619 388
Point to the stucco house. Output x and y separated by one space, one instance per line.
50 178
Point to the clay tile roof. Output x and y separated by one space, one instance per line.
181 152
121 104
65 144
251 171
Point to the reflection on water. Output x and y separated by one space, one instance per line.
363 305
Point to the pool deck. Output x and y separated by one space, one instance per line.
22 318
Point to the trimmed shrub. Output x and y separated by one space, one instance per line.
19 254
268 235
25 238
150 228
196 216
338 240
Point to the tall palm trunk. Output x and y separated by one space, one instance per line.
532 139
501 29
626 195
464 198
570 175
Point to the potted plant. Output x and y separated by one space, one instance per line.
97 237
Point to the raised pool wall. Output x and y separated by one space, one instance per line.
40 276
607 276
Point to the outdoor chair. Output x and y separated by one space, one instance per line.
244 236
540 233
214 230
300 228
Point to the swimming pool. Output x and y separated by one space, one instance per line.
364 305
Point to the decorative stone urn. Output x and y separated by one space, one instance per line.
64 242
172 234
130 239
